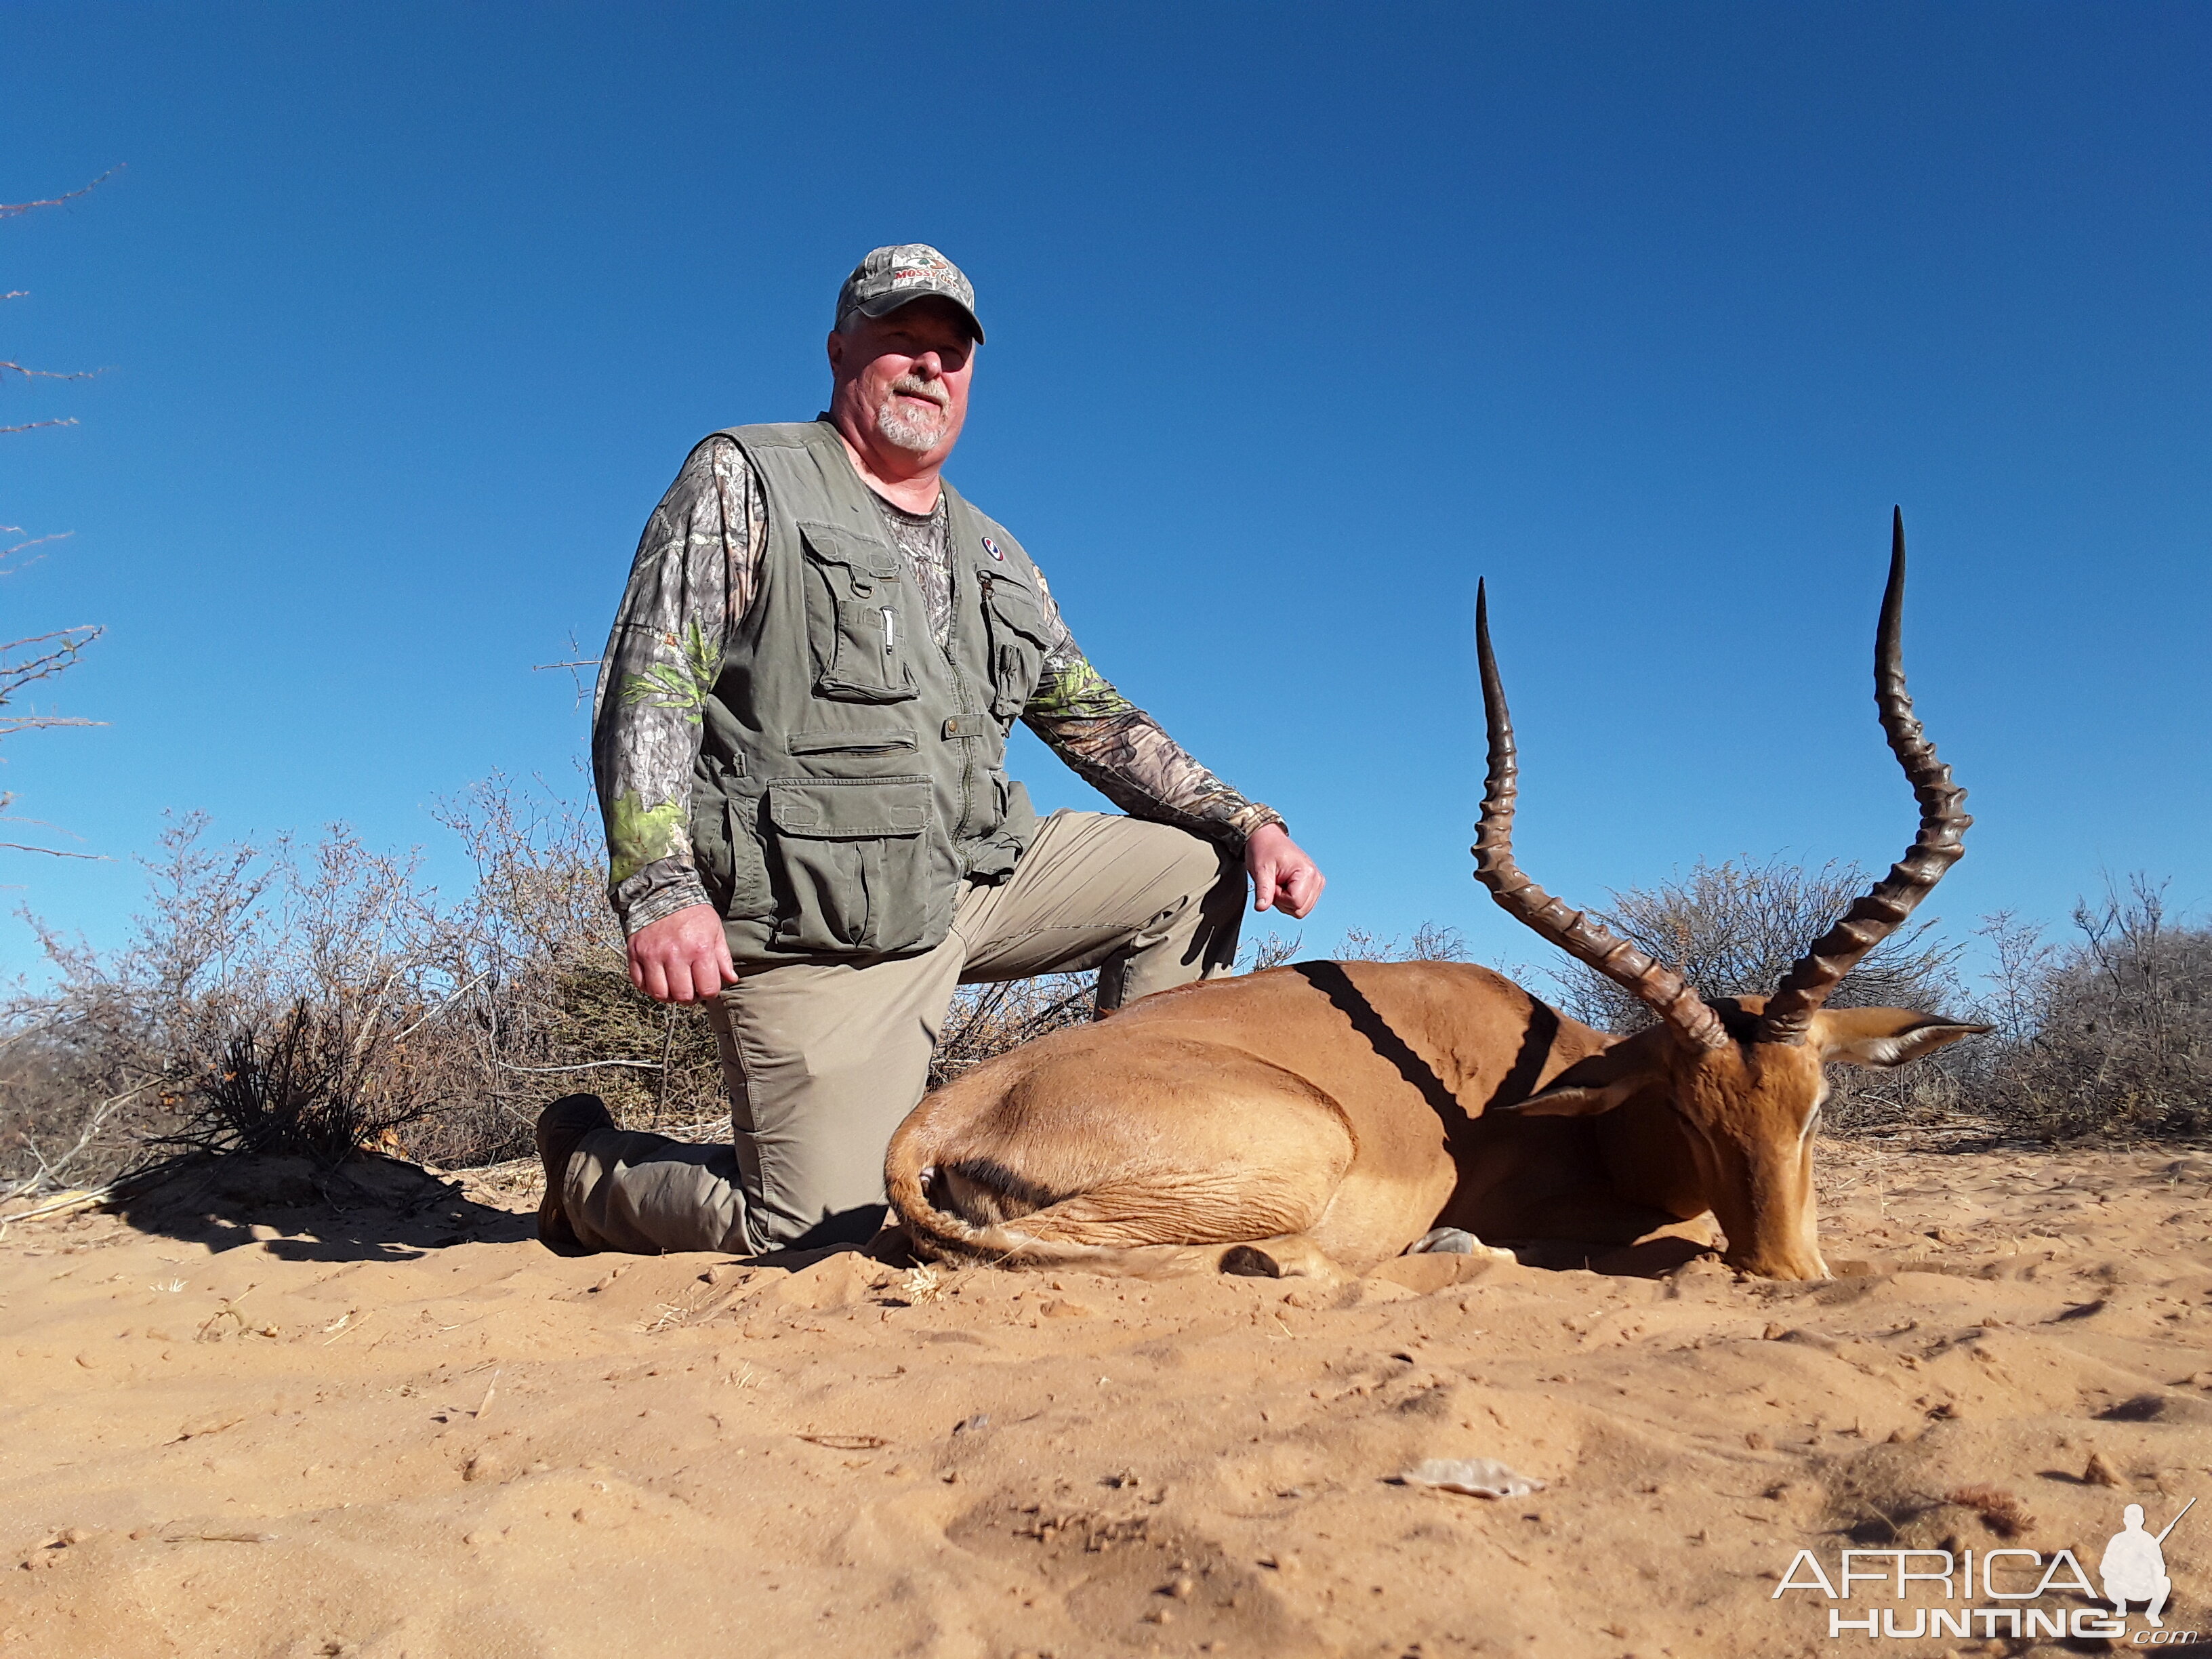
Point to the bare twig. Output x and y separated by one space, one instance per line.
584 1066
52 852
576 661
68 1201
17 529
10 210
8 366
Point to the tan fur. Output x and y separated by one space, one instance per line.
1321 1118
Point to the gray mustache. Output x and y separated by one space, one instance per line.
913 385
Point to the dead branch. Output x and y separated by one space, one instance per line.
9 366
52 852
55 1171
17 529
587 1065
10 210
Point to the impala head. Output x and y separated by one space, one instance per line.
1746 1076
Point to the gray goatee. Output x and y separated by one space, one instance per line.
910 429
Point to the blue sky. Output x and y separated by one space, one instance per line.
1302 317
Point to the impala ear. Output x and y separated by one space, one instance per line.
1599 1082
1885 1036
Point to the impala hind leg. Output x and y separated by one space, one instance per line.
1292 1255
1456 1241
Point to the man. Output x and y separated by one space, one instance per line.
800 743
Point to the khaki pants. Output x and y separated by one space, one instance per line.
824 1058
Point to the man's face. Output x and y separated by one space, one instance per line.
903 379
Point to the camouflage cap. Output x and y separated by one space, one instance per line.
892 276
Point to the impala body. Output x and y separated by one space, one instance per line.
1320 1118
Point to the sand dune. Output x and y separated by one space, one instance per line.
267 1414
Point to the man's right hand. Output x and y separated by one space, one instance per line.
683 957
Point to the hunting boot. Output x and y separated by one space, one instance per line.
562 1128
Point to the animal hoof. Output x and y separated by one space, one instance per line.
1247 1262
1446 1241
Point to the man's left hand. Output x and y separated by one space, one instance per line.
1282 878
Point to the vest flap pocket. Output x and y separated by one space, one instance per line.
833 544
850 864
1014 606
849 743
855 611
1019 640
860 808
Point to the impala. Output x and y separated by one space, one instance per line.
1316 1119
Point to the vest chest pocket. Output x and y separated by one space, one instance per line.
849 858
856 616
1014 617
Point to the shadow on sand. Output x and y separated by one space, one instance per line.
373 1208
369 1209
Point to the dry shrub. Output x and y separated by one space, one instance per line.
262 1002
310 1001
1268 950
986 1020
540 1002
2000 1512
1732 929
1735 929
1430 942
311 1084
2110 1032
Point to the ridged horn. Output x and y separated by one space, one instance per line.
1660 989
1938 846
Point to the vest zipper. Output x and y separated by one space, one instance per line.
960 690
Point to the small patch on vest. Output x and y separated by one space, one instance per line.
992 548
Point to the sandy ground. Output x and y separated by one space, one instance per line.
273 1415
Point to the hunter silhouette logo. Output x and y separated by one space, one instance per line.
2134 1567
1997 1587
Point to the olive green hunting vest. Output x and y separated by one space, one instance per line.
851 774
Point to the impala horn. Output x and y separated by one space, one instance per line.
1660 989
1938 846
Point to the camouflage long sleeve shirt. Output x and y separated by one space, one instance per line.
696 573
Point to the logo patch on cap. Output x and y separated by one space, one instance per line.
992 548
